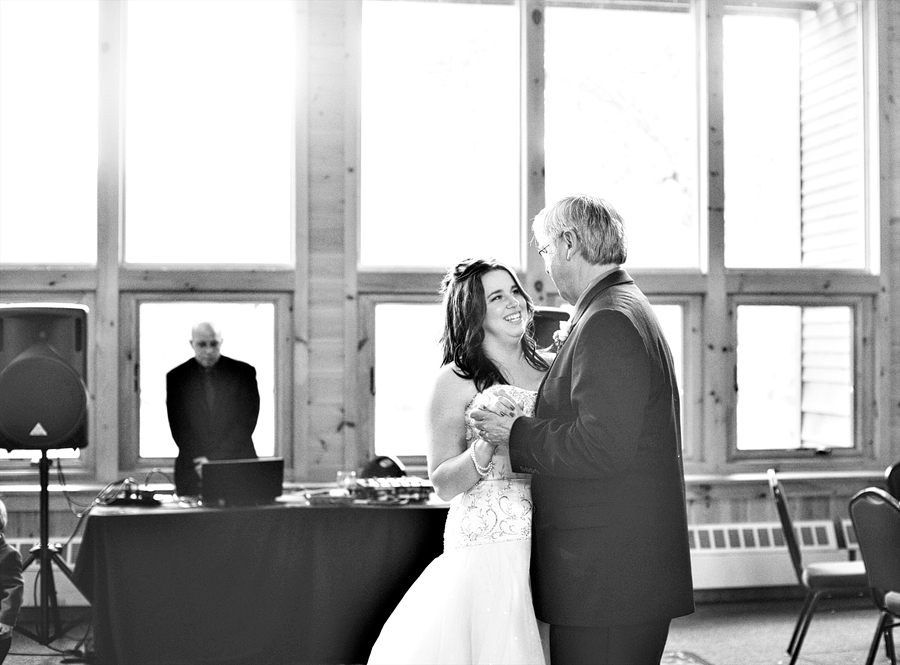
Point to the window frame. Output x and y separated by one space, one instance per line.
129 397
327 219
365 369
862 308
710 293
691 371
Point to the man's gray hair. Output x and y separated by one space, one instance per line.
593 221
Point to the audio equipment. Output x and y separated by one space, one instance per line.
405 489
43 405
43 360
241 482
130 495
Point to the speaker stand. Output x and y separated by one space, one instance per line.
46 554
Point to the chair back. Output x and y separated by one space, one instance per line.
892 480
787 526
876 520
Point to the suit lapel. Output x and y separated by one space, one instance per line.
614 278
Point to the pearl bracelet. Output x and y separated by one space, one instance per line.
483 471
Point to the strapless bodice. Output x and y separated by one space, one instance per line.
497 508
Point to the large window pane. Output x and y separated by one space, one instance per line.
209 131
794 158
794 377
762 141
411 332
620 122
48 131
671 320
440 134
248 334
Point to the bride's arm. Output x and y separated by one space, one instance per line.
450 464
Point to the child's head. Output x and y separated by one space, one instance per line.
3 515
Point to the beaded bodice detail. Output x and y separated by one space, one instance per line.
497 508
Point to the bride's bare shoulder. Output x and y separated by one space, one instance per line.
450 386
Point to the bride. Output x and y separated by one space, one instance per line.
472 604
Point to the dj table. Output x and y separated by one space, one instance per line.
286 583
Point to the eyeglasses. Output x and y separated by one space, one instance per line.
213 344
543 251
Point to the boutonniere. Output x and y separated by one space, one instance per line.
560 336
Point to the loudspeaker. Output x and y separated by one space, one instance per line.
43 363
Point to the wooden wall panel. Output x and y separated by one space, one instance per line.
324 442
889 126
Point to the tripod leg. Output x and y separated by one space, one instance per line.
45 555
32 555
61 563
48 604
52 606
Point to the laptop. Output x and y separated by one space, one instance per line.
242 482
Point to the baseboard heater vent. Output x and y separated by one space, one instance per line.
731 556
66 593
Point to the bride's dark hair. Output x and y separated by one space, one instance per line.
464 311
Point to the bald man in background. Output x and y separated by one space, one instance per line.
213 404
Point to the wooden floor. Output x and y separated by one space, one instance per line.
729 633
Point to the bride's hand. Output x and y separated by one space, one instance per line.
493 423
504 405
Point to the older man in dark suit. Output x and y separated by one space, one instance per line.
213 404
610 560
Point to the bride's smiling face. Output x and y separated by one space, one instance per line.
506 311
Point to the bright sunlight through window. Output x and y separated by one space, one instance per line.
209 131
48 128
440 134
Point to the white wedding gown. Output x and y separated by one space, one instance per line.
472 605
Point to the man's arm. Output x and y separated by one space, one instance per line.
177 411
244 411
610 388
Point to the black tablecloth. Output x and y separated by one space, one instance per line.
268 585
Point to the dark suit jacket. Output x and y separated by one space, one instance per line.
11 584
221 432
610 540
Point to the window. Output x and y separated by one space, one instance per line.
671 319
749 179
48 130
411 332
248 334
794 151
742 173
795 377
209 131
621 122
440 134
